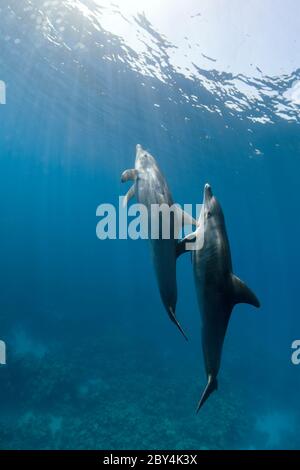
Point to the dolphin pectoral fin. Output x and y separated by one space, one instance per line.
174 320
182 245
185 218
242 294
130 194
128 175
212 385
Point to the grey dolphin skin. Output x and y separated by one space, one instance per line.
150 187
218 289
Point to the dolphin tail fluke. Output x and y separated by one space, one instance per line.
212 385
174 320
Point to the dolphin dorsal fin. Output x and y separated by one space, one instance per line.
185 218
242 294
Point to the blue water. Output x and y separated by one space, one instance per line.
92 358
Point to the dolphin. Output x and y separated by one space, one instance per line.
218 289
150 187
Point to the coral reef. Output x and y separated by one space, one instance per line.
113 399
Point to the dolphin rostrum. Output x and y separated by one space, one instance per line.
218 289
150 188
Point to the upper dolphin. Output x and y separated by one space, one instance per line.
150 188
218 289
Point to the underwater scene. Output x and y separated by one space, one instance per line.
89 352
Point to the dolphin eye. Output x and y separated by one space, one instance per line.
208 214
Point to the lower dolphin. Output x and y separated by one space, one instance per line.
218 289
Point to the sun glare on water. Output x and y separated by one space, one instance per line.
133 6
